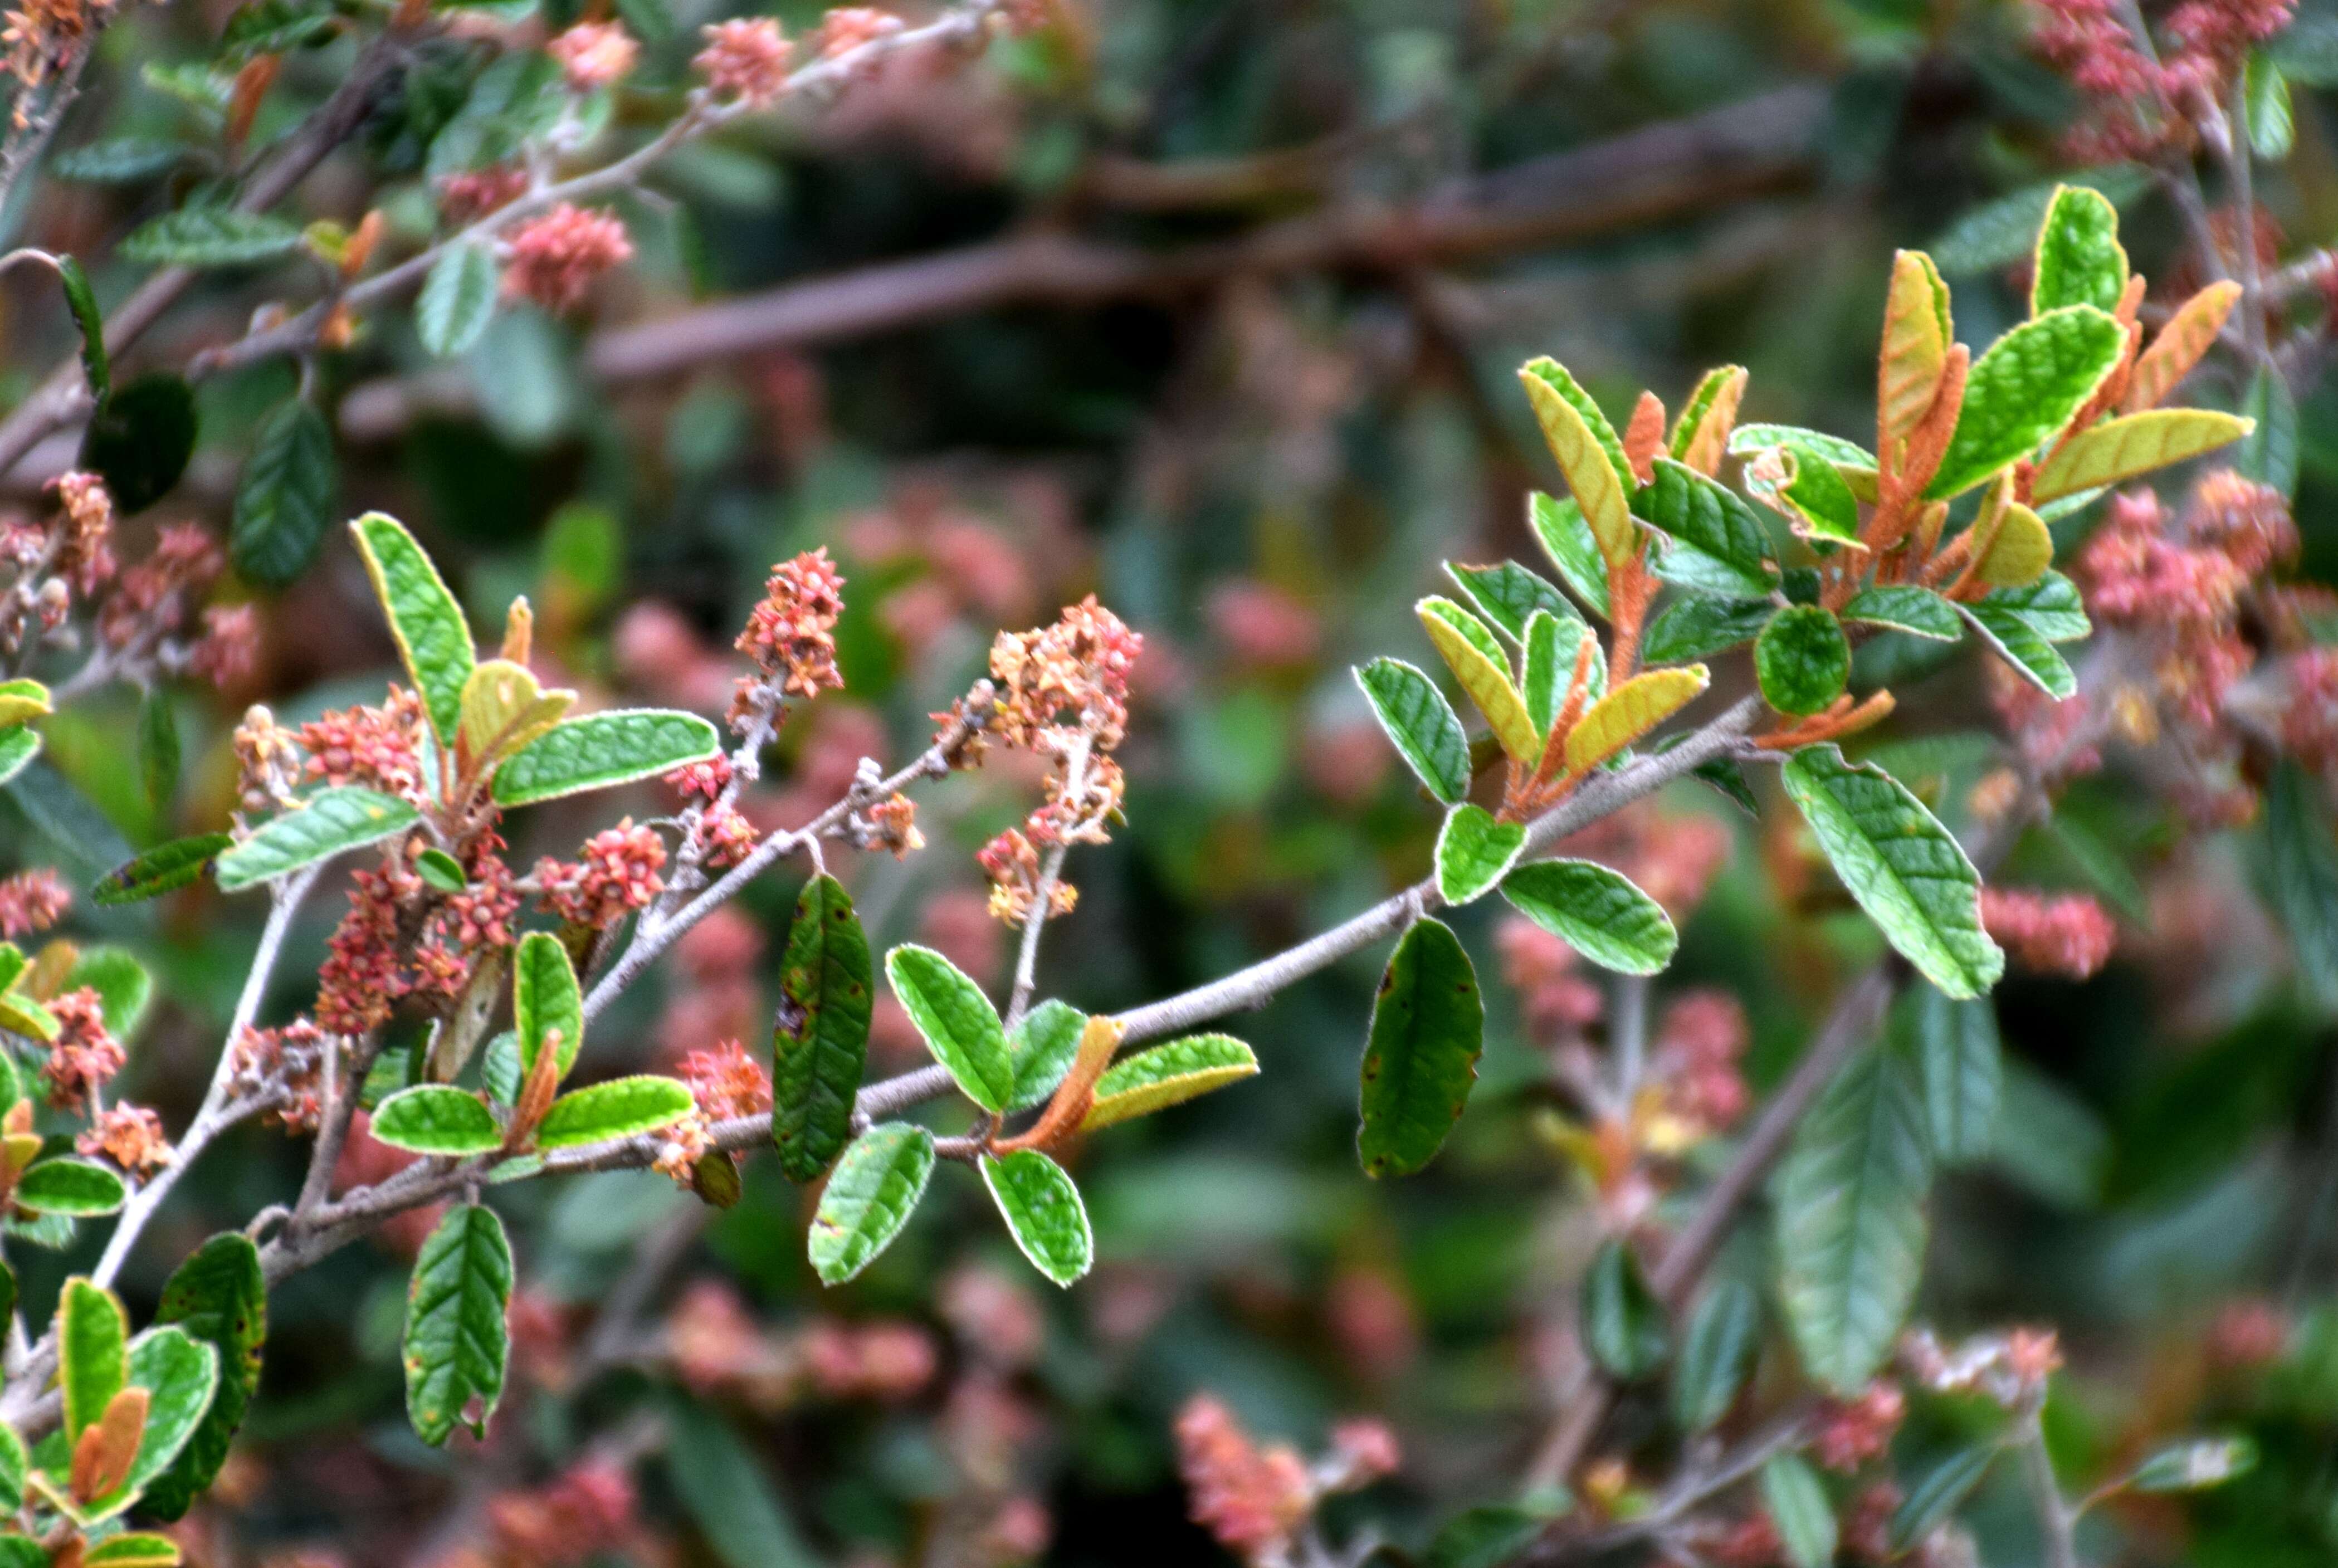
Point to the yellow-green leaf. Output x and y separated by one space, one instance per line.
21 699
424 617
1167 1075
1590 453
504 709
1476 662
1917 333
2120 449
2020 550
1630 711
1701 434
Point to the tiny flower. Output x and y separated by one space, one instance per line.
229 651
84 1056
2068 935
594 54
465 198
727 1082
1852 1432
553 260
845 28
791 633
895 821
746 60
1252 1499
128 1135
619 872
31 901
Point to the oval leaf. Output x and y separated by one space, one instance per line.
1801 660
2119 449
1167 1075
1719 545
820 1039
1478 661
456 1342
285 496
619 1108
458 299
219 1296
544 997
1043 1046
161 869
92 1352
959 1025
1903 607
327 823
2024 389
1474 851
1428 1025
1623 1322
1421 723
604 749
1590 453
1798 1505
1716 1354
437 1119
1042 1212
1630 711
1596 911
871 1195
433 638
71 1187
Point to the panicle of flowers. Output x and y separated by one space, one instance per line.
31 901
379 748
588 1509
885 1361
364 976
139 615
726 1081
1012 864
2309 719
791 634
1558 1000
469 196
1700 1041
84 1056
2067 934
227 652
128 1135
745 61
1252 1499
891 824
481 915
554 259
594 54
1851 1432
40 36
284 1069
618 872
844 28
2144 99
146 603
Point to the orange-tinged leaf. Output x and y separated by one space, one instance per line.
1630 711
1644 438
2134 444
1702 436
2187 336
1475 662
101 1456
1917 333
1588 453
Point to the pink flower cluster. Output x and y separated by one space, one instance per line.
1251 1498
791 632
2139 103
84 1056
128 1135
363 976
286 1067
1851 1432
554 259
1700 1041
465 198
618 872
594 54
726 1081
2053 933
377 748
745 61
587 1510
1556 997
31 901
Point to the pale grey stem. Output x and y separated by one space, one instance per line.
2057 1520
1051 871
1631 1041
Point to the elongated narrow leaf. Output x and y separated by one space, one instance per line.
1509 595
1479 662
600 750
285 496
1624 1324
432 636
1421 724
134 1548
1939 1494
456 1342
1630 711
1167 1075
2025 388
121 161
96 370
619 1108
328 823
1429 1026
1042 1212
1801 660
869 1196
2191 1467
1917 335
16 1466
2303 865
211 236
2079 260
161 869
1905 869
1701 434
1596 911
182 1375
2191 332
1919 612
1718 543
1559 527
1850 1201
1964 1068
2119 449
2273 130
1043 1045
1798 1505
1546 666
458 299
959 1025
68 1186
436 1119
1716 1354
219 1296
92 1352
820 1040
1474 851
1590 453
2019 624
546 997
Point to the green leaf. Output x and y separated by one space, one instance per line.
441 870
2193 1466
285 496
1816 494
2269 451
121 161
1801 660
1697 627
869 1196
2024 389
1903 607
92 1352
726 1489
959 1022
19 744
328 823
433 638
219 1296
1485 1537
1596 911
1623 1322
458 300
604 749
16 1466
1559 527
820 1040
66 1186
2000 232
140 439
21 1551
1167 1075
96 369
1042 1212
1718 543
20 1014
1421 724
545 997
133 1548
500 1073
1043 1046
180 1375
456 1341
1905 869
1509 595
1479 662
157 749
1964 1068
437 1119
1629 711
2021 626
1429 1026
1798 1505
619 1108
1716 1354
2302 872
1940 1494
123 987
2134 444
1552 646
275 27
1474 851
2079 260
1748 439
2273 130
163 869
211 236
1850 1202
1588 453
1699 407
